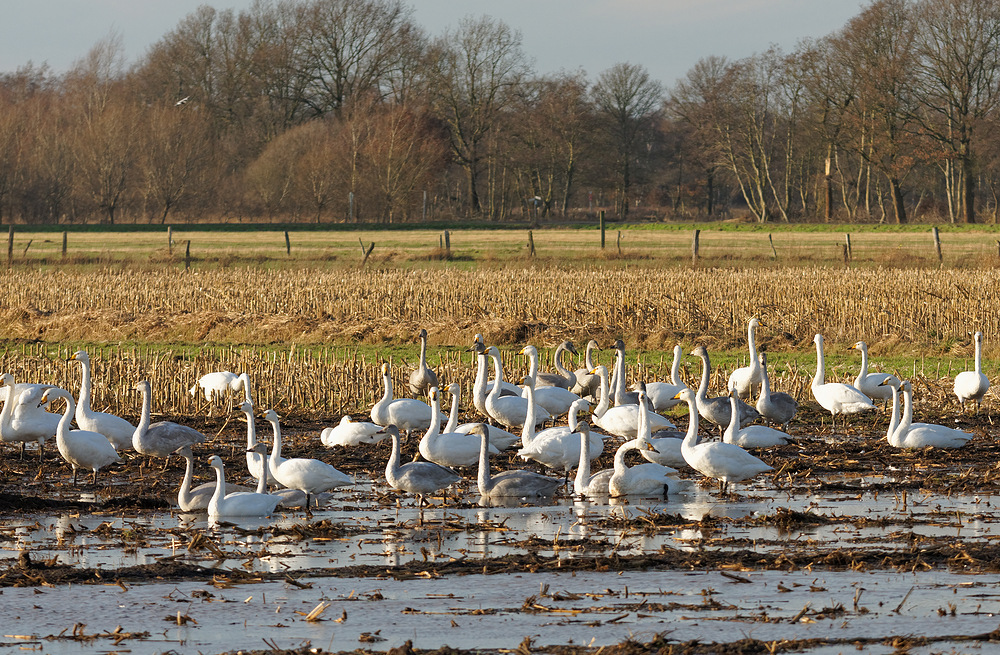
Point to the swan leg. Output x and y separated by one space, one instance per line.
95 477
74 475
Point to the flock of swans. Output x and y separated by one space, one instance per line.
600 408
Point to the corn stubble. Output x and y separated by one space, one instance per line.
296 332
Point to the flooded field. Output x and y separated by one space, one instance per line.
848 545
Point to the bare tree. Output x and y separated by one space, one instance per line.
176 148
628 99
474 72
958 85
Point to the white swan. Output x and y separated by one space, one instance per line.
746 380
776 407
240 503
255 459
555 399
405 413
162 438
587 384
585 483
23 419
482 386
310 476
717 409
197 499
725 462
82 449
117 430
752 436
351 433
499 437
423 377
622 420
420 478
836 397
871 384
649 479
218 385
509 411
449 449
291 498
514 483
973 385
558 447
662 395
922 435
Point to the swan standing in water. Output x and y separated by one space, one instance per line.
920 435
420 478
872 384
449 449
310 476
973 385
752 436
746 380
725 462
514 483
717 410
405 413
662 395
836 397
80 448
240 503
647 479
117 430
162 438
558 447
423 377
23 419
585 484
776 407
351 433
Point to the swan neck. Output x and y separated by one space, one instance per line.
706 373
558 361
864 362
894 418
907 419
392 466
605 402
423 352
979 356
184 494
675 368
483 479
85 387
62 430
262 482
583 469
589 358
434 428
528 429
820 376
144 417
498 375
276 446
251 431
452 415
691 438
533 365
220 487
729 436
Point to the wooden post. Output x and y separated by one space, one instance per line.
998 248
847 246
600 219
350 207
170 239
288 244
774 253
619 242
365 251
10 245
847 257
187 255
64 244
694 248
26 246
937 244
423 212
531 244
447 242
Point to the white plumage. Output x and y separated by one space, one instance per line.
836 397
162 438
919 435
872 384
514 483
752 436
405 413
746 380
351 433
117 430
240 503
82 449
420 478
973 385
310 476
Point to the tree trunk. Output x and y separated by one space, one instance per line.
899 208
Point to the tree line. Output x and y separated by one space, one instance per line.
348 111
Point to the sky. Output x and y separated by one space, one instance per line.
667 37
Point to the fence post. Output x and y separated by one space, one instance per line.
10 245
937 244
600 218
447 242
774 253
170 239
187 256
694 248
531 244
64 244
288 244
849 251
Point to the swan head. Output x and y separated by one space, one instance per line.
753 322
579 405
593 345
684 394
619 344
493 351
80 356
385 369
271 416
390 430
28 397
422 335
432 393
246 407
142 386
978 337
700 351
6 380
260 449
215 462
861 345
905 386
890 382
529 351
184 452
482 430
477 347
568 345
454 388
